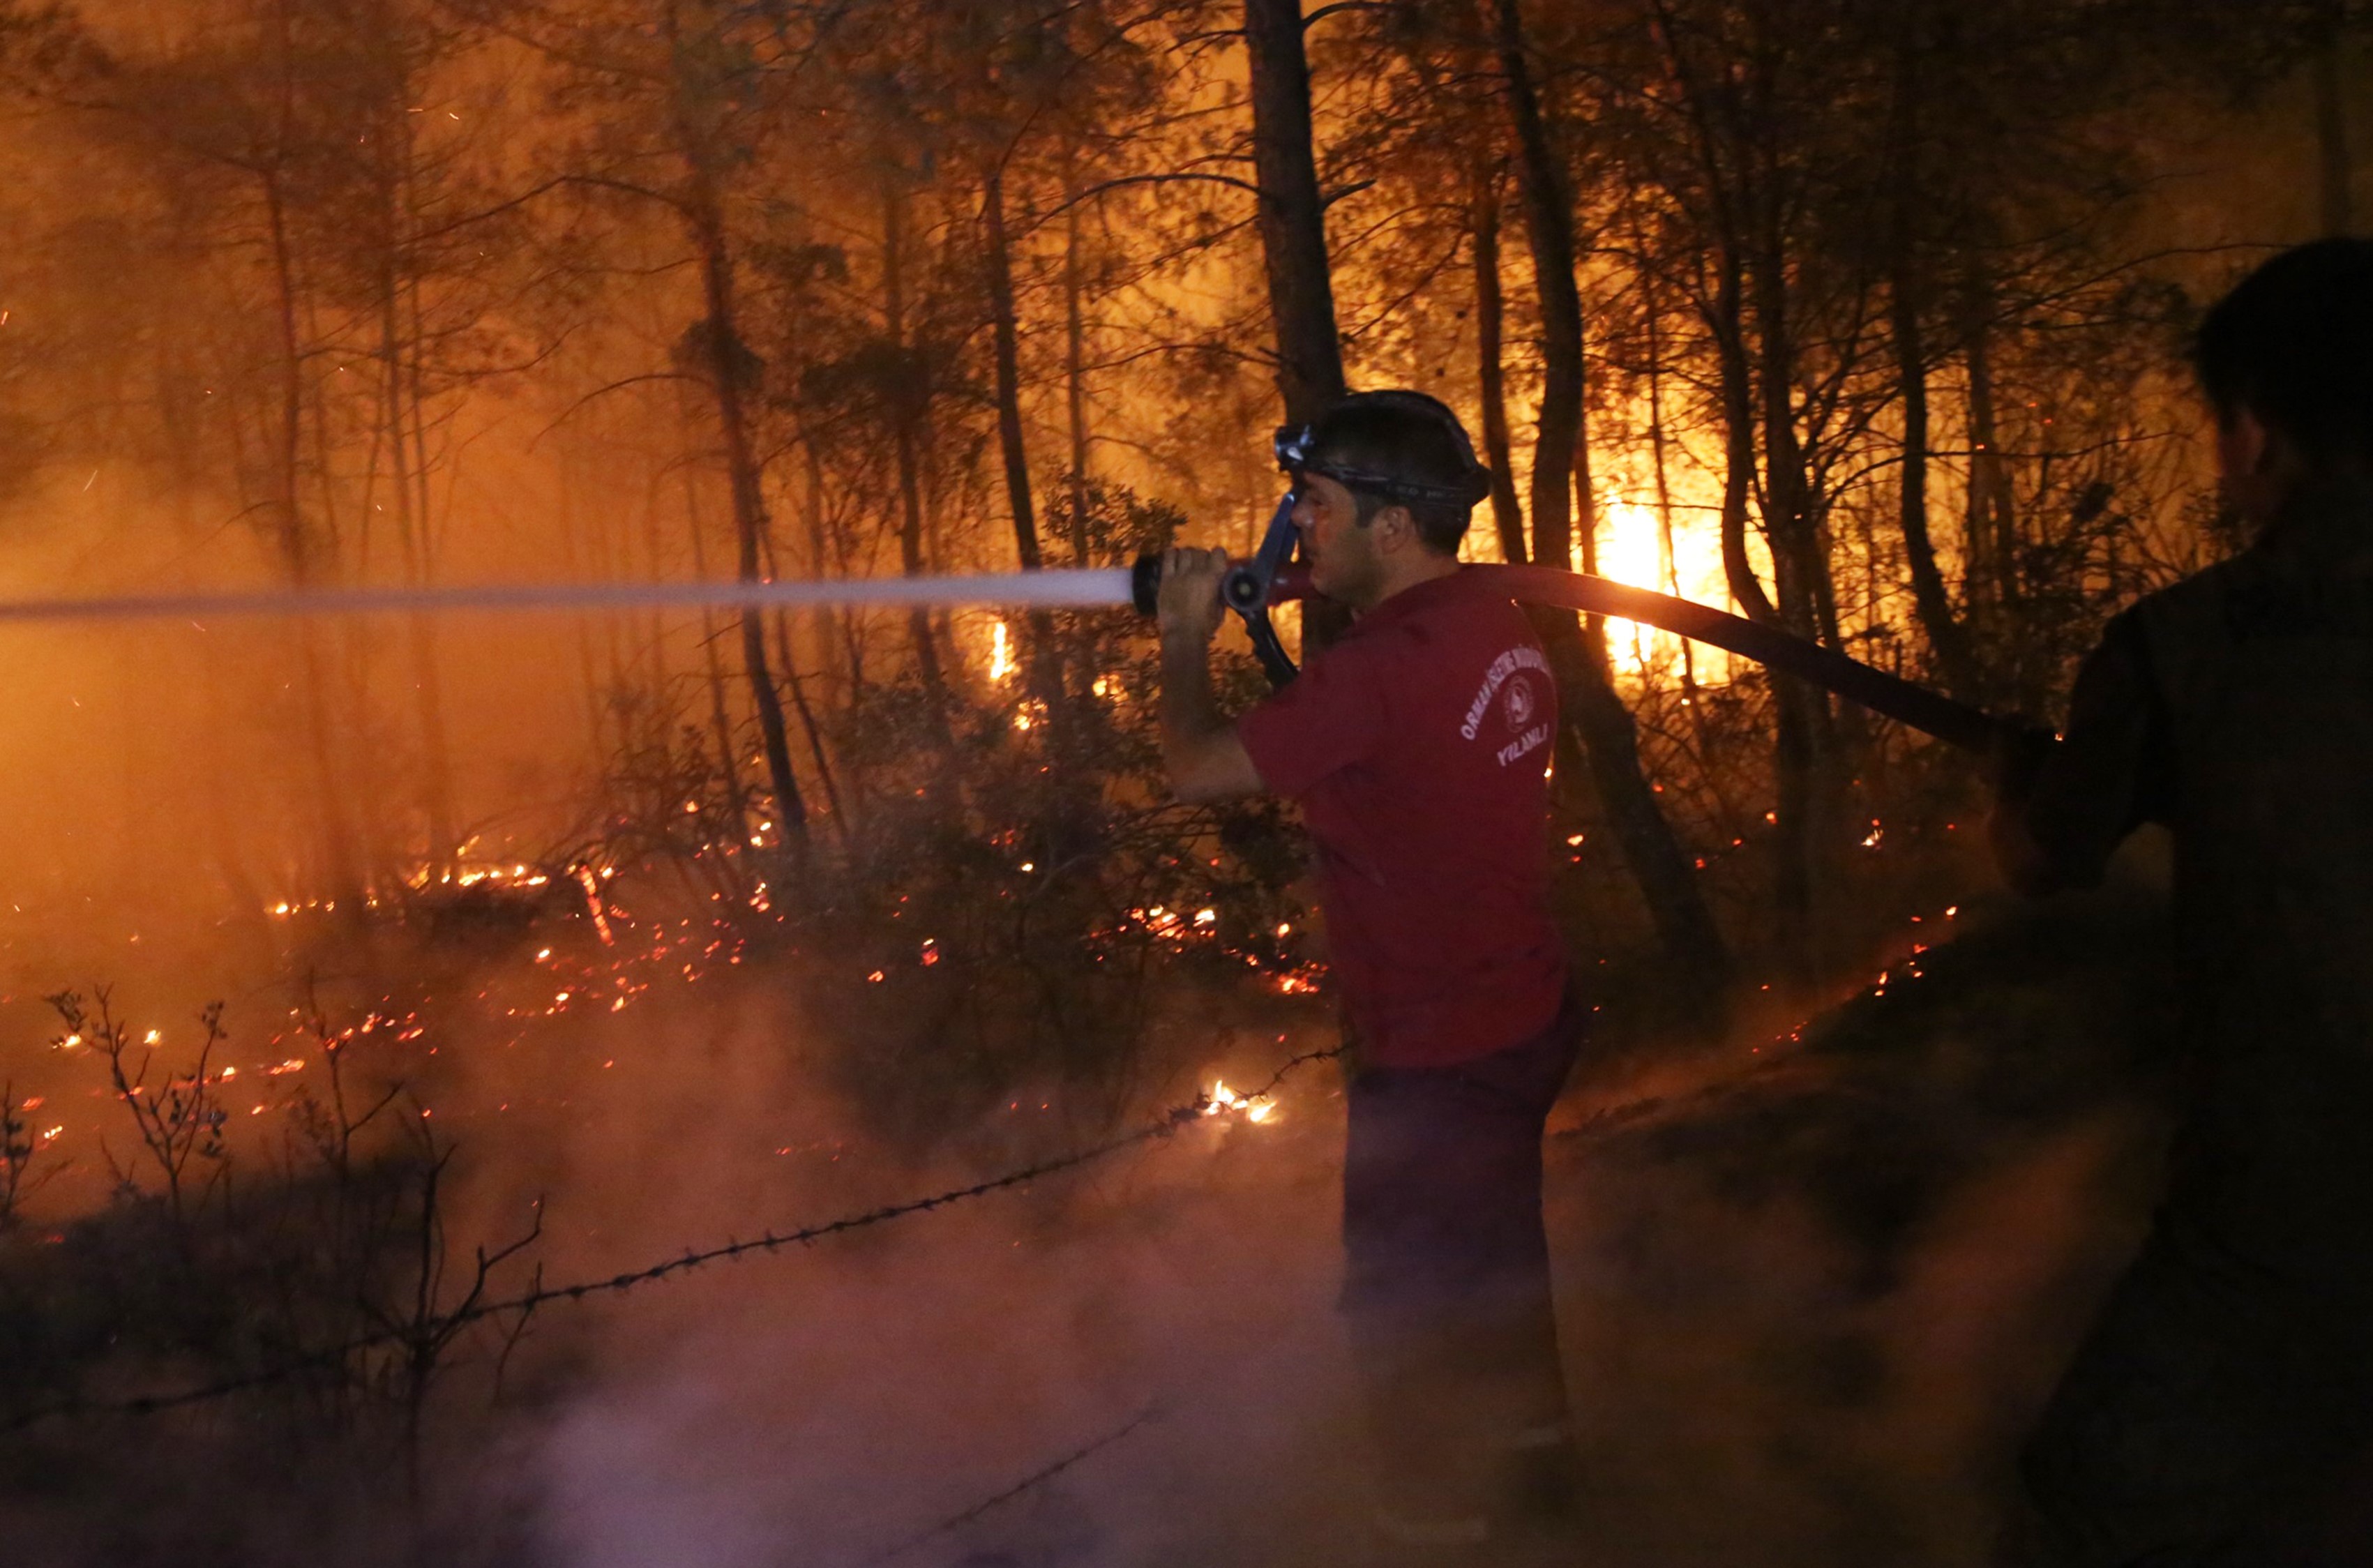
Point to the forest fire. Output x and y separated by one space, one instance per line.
579 711
1222 1100
1674 549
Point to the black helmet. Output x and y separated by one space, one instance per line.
1402 446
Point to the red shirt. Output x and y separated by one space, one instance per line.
1416 747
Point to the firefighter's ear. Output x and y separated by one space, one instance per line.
1392 529
2257 467
2244 446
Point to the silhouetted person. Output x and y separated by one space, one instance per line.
1416 746
2218 1408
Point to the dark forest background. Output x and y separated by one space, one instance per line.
1866 319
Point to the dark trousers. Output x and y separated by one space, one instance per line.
2219 1412
1447 1287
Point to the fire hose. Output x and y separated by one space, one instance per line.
1252 587
1907 702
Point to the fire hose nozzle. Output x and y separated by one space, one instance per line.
1246 588
1145 581
1249 587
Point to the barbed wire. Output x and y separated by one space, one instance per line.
1034 1480
1606 1123
442 1326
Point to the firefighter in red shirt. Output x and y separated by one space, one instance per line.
1416 747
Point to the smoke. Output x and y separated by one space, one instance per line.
1809 1300
828 1419
830 1406
1810 1292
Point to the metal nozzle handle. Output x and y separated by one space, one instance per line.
1242 589
1145 581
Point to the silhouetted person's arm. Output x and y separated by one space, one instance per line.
2062 807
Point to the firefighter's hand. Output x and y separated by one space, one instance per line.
1189 607
2020 749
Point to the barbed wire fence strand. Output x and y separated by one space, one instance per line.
1030 1483
1159 1126
1606 1123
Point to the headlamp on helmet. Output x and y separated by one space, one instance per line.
1298 445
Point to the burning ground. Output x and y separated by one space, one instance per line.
1813 1282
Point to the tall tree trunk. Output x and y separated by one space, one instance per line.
341 865
1908 297
835 631
1729 329
1810 782
227 836
398 394
1492 376
1075 382
1993 525
728 358
720 711
838 626
1549 226
1659 444
1788 519
428 705
597 740
906 398
1006 333
1293 213
1292 221
1040 656
354 645
1794 723
650 660
1742 206
408 402
814 731
1684 925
